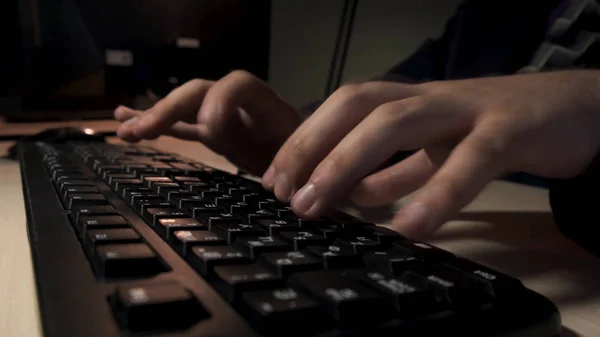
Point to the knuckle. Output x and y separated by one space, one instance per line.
328 169
349 93
398 112
490 146
198 82
240 74
293 152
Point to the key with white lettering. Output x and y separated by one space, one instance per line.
126 260
257 245
494 282
232 280
407 297
96 237
205 258
183 241
392 260
451 286
275 311
343 299
87 223
164 305
286 263
166 226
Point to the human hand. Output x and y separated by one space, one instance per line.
239 117
467 133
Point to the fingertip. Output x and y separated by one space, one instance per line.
414 220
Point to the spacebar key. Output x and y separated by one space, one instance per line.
127 260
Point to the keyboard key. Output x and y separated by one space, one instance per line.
286 263
255 246
493 282
383 234
153 215
167 226
72 183
283 312
126 260
205 258
303 239
157 306
100 221
141 205
336 257
232 280
359 244
118 185
453 287
423 250
96 237
92 210
409 298
80 199
164 188
215 219
78 189
183 241
273 226
261 214
344 299
233 232
392 261
148 181
206 208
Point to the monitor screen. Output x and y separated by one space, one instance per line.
70 56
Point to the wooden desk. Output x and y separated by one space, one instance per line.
508 227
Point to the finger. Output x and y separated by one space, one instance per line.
396 126
394 182
317 136
241 89
123 113
182 104
128 117
479 158
179 130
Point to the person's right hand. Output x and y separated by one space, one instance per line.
239 117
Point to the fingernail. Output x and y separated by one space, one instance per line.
283 188
268 178
305 198
413 217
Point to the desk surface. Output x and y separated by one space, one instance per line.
508 227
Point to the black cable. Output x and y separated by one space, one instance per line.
338 60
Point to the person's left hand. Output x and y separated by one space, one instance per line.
469 132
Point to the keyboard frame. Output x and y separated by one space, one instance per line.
73 303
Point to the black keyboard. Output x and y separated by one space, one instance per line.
130 241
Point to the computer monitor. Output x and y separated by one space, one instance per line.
74 59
